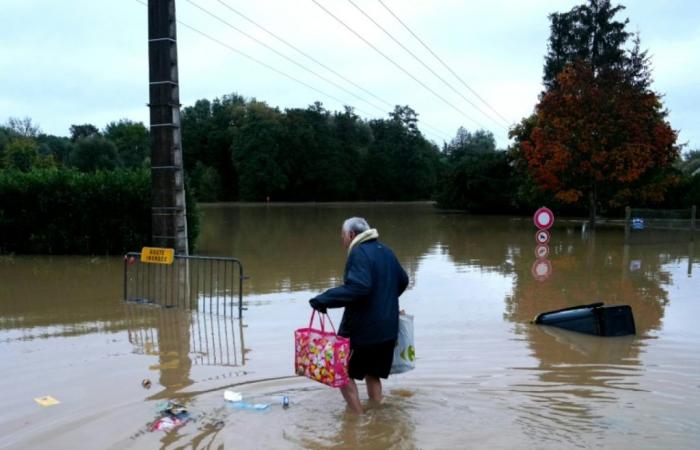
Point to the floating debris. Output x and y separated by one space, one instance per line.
46 400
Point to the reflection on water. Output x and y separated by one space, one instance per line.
485 376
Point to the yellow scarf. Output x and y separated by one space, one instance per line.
362 237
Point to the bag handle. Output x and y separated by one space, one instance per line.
322 319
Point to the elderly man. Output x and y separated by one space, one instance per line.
374 280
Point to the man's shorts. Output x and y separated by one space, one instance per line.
372 359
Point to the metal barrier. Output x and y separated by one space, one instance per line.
204 339
205 284
660 225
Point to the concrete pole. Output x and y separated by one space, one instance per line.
168 214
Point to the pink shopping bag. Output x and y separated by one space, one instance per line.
321 355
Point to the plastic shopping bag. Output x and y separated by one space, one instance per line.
321 355
404 352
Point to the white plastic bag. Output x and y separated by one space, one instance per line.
405 351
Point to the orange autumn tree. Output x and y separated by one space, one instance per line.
599 134
600 139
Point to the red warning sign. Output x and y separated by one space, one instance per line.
543 218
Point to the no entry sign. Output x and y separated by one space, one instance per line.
544 218
541 269
542 236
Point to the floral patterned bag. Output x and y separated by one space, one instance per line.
321 355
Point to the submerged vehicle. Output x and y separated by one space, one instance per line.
595 318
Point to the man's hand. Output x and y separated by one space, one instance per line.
318 306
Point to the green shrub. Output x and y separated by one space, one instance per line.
64 211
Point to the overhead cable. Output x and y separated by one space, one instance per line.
267 66
311 71
311 58
430 69
444 63
428 88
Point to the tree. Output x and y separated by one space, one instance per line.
5 138
23 127
58 147
257 153
588 33
481 141
21 154
599 132
601 139
400 163
208 129
690 164
132 141
83 131
478 178
206 183
94 153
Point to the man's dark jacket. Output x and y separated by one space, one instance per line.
374 280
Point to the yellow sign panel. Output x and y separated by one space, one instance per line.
157 255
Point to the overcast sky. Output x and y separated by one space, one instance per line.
86 61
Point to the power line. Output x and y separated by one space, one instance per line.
298 50
398 65
445 82
311 58
245 55
267 66
209 13
444 64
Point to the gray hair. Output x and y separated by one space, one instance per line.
356 225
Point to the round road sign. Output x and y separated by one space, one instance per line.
541 269
544 218
541 251
542 236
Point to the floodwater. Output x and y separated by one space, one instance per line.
484 378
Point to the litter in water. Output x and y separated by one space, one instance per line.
250 406
173 415
46 400
232 396
168 423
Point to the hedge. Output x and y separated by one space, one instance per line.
61 211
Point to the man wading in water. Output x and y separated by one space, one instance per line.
374 280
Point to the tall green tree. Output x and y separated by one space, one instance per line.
58 147
257 153
83 131
400 163
208 129
587 33
132 141
21 154
94 153
478 178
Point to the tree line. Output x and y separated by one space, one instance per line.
239 149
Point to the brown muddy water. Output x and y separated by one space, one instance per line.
485 377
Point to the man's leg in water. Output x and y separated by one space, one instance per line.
352 397
374 388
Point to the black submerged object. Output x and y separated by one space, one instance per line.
596 319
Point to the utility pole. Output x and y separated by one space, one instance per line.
168 209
